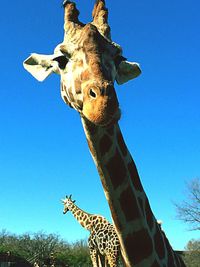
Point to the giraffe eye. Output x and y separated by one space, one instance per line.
92 93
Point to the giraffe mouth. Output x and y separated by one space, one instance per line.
111 119
107 121
100 116
65 211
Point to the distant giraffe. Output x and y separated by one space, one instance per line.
89 63
103 238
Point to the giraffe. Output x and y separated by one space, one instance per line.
89 63
103 238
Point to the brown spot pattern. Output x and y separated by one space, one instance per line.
115 217
169 254
116 169
139 246
80 104
134 176
92 128
129 205
66 101
63 87
105 145
85 75
122 144
159 244
78 213
140 201
77 84
71 96
149 214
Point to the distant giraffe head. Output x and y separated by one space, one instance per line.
68 204
89 63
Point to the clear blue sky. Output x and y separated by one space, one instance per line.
43 152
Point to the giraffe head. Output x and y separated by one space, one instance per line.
89 63
68 204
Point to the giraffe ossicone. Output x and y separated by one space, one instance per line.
103 239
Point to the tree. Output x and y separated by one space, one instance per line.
73 255
189 210
45 249
8 242
39 247
192 253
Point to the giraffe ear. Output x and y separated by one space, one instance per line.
127 71
41 66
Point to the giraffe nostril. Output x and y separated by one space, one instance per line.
92 93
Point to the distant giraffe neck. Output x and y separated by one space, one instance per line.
81 216
135 223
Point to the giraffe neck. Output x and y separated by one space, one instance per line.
141 239
81 216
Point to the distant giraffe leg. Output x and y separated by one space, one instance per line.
101 260
106 262
112 260
94 258
94 254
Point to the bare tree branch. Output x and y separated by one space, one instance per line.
188 210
